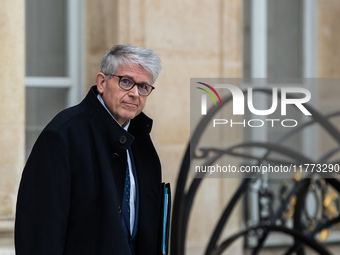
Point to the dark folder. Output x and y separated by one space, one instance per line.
165 218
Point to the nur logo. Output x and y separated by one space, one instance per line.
239 99
204 97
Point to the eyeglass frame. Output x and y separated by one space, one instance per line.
134 83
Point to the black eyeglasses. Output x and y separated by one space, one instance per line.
127 83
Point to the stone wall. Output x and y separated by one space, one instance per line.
12 113
328 64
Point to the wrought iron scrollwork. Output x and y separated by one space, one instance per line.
306 224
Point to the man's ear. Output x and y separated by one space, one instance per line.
101 82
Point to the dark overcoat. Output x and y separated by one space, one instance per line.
72 185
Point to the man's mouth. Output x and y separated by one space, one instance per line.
130 104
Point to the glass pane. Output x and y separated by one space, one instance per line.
42 104
46 38
285 39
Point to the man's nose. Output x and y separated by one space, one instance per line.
134 91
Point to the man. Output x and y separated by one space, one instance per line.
92 183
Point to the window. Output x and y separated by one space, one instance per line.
279 42
53 61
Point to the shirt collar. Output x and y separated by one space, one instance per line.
102 102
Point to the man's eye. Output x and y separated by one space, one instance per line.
126 81
143 86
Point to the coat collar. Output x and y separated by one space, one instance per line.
140 125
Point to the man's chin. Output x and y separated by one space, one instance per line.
131 116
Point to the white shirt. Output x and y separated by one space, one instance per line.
132 179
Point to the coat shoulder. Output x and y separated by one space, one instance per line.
67 118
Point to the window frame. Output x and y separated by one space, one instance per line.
73 81
258 69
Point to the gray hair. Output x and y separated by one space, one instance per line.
125 54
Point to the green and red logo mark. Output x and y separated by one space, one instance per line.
204 97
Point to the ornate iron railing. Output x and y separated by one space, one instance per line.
292 198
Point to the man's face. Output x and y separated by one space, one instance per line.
123 105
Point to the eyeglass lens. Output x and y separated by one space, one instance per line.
127 84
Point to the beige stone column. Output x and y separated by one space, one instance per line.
100 34
12 111
328 39
328 56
